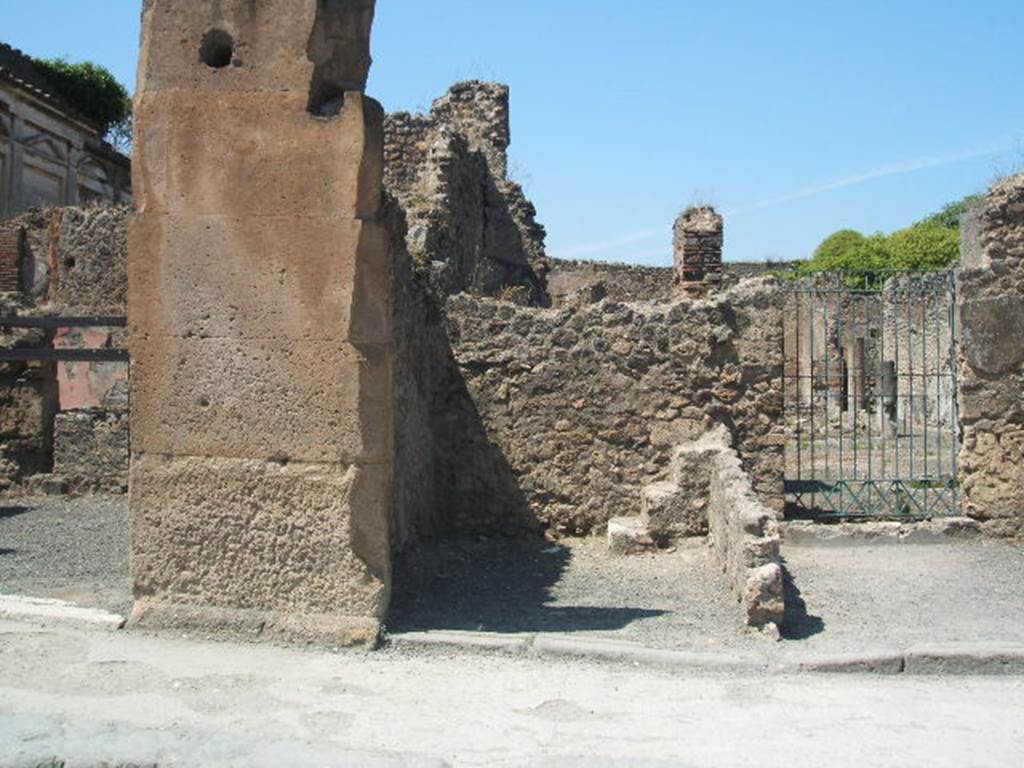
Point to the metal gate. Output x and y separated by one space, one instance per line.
871 396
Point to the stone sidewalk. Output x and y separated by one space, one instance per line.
83 698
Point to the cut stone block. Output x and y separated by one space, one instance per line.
628 536
670 512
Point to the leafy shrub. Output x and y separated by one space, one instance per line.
949 217
924 247
832 253
89 89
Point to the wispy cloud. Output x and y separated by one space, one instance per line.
885 171
894 169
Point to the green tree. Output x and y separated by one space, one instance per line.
835 250
89 89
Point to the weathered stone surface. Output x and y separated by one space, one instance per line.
90 450
991 398
247 398
992 333
268 151
260 323
628 536
220 276
257 535
745 539
88 260
562 416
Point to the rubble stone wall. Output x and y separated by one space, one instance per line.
559 417
991 318
72 262
91 450
470 224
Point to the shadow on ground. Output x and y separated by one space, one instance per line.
498 585
798 624
8 512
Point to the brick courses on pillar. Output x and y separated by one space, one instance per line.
698 238
10 259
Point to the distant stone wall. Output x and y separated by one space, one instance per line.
70 262
91 450
559 418
573 281
991 316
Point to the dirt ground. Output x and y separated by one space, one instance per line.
854 596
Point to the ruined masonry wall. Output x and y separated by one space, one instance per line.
991 318
470 224
72 262
559 418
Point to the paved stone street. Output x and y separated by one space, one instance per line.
92 697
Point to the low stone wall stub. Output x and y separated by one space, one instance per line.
744 536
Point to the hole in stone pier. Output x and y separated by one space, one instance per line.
326 101
217 49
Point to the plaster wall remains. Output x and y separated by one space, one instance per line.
991 318
69 262
260 323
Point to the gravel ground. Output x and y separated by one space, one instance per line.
67 549
871 595
665 600
842 597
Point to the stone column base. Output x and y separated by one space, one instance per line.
324 629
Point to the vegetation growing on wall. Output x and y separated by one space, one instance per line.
91 90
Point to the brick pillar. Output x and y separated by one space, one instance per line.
260 323
699 235
11 239
991 397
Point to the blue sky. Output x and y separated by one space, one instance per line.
795 118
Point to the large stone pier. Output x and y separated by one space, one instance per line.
260 326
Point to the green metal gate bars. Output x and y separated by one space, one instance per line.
871 396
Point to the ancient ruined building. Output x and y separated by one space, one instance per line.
260 325
49 154
346 337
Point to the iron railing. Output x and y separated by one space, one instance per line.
871 396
